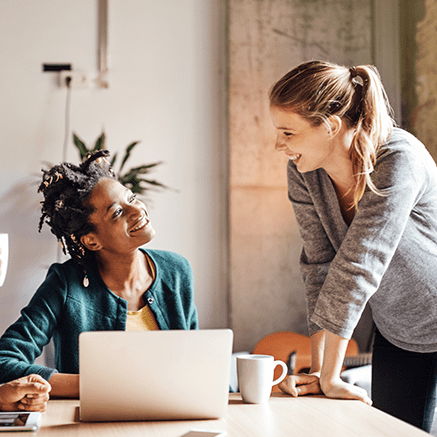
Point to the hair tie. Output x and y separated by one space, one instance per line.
353 72
356 79
59 204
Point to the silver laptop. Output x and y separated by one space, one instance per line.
154 375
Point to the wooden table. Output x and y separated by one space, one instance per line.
282 416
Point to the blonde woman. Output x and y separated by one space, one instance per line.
365 197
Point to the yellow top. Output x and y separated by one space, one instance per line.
142 320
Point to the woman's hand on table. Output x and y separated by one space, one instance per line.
301 384
339 389
304 384
29 393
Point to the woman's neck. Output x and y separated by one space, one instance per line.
342 174
128 276
345 189
340 167
344 184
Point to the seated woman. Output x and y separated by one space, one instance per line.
110 282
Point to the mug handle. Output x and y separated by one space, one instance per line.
284 371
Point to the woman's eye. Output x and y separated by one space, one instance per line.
288 134
117 213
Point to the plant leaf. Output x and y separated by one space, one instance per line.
100 142
132 182
127 179
113 159
128 150
143 169
83 151
131 179
155 183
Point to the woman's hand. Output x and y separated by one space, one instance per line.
339 389
29 393
301 384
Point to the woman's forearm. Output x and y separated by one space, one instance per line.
330 382
333 357
317 349
64 385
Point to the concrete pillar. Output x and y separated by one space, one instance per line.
268 38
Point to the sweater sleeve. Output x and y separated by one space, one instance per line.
24 340
317 251
186 293
372 239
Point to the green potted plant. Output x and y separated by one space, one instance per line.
135 178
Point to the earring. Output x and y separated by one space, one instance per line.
86 281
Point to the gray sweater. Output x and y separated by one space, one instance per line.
388 254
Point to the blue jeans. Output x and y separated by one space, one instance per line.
404 383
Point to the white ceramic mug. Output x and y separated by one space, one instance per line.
255 377
4 254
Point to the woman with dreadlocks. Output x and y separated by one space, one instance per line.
110 282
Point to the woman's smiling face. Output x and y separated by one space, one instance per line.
308 146
121 220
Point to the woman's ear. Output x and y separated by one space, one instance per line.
335 123
90 242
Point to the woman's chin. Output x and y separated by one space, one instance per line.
149 236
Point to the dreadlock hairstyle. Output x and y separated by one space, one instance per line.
316 90
65 209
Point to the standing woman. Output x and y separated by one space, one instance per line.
110 282
365 198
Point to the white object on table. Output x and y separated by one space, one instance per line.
4 254
255 377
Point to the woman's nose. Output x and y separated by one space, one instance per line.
279 145
138 209
134 210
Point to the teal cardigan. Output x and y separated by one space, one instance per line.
62 308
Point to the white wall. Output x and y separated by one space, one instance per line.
167 89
